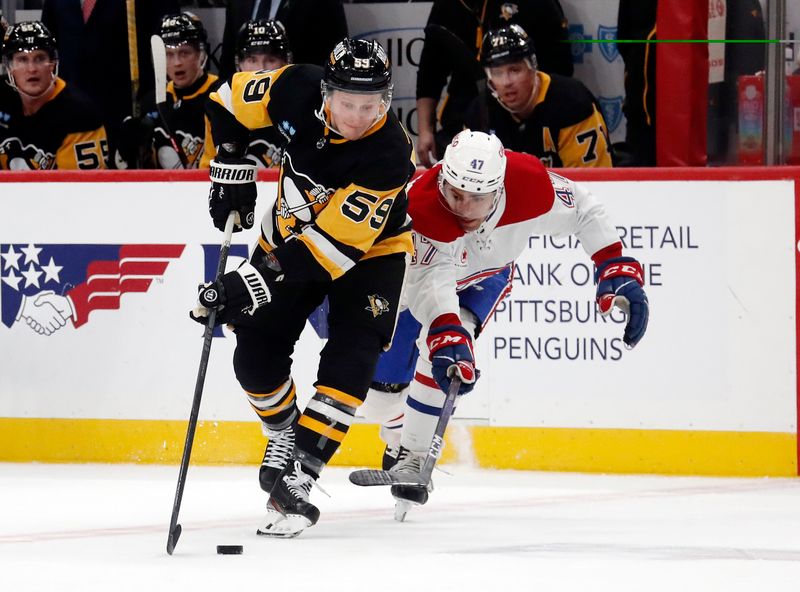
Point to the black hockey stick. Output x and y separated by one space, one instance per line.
466 62
159 53
371 477
174 527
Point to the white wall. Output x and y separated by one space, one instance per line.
719 353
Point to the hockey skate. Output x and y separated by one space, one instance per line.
390 454
408 496
276 456
288 510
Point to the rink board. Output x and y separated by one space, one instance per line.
712 389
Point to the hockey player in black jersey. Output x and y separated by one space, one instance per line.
552 117
339 228
47 123
260 45
187 53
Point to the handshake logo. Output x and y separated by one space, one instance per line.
49 285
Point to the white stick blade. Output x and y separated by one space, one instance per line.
159 52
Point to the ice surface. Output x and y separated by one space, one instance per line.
104 527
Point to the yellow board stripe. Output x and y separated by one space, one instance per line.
665 452
340 396
321 428
671 452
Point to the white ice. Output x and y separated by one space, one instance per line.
104 528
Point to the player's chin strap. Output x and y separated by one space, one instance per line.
531 61
13 84
496 200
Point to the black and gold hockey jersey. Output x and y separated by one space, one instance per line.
65 133
566 129
265 148
339 201
186 119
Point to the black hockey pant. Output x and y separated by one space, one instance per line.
363 308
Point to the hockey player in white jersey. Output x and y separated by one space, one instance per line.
473 214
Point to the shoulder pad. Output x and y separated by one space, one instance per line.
529 192
429 216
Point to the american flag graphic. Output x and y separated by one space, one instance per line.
86 277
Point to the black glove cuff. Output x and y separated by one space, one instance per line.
236 295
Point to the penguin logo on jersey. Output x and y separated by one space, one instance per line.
377 305
27 157
298 195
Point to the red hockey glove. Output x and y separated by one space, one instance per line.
450 345
619 283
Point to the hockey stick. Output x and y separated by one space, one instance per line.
463 60
133 55
174 527
372 477
133 58
159 52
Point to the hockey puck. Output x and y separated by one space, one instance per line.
230 549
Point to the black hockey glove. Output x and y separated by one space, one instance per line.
242 290
133 139
233 187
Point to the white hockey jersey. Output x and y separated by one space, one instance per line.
448 261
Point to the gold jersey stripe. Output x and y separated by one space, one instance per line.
333 270
340 396
402 243
321 428
328 248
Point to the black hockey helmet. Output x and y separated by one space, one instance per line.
358 65
506 45
263 35
28 36
182 28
